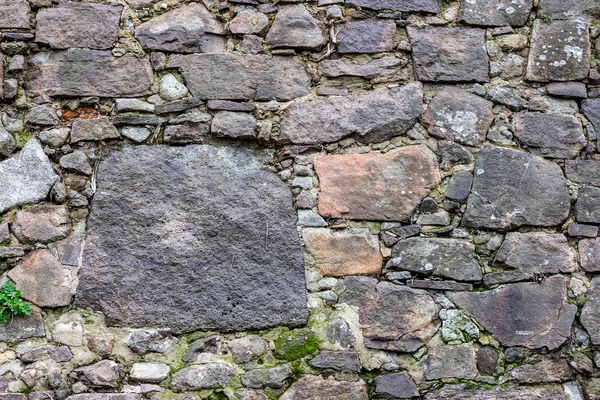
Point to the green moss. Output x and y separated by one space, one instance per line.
294 345
21 137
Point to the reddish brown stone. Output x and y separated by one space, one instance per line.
339 254
376 186
42 224
101 344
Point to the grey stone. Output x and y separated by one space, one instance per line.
77 162
42 115
149 372
15 14
340 360
496 278
193 190
576 90
311 387
586 172
566 9
72 24
210 344
537 253
487 358
17 63
587 207
460 57
225 105
95 129
512 66
55 138
250 394
439 285
457 327
171 89
504 392
79 72
68 250
446 258
590 317
560 51
366 36
544 371
459 186
177 105
544 318
26 177
441 217
23 327
136 133
580 230
11 252
243 77
512 188
372 69
453 154
186 134
232 124
460 116
550 135
399 386
430 6
249 22
7 142
251 44
103 374
137 119
497 13
142 342
591 110
309 218
43 224
368 117
267 377
455 361
247 348
294 27
187 29
4 233
203 376
124 105
589 254
507 96
195 117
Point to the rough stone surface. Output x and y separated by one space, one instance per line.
188 248
42 115
560 51
399 386
583 171
542 372
368 117
459 186
587 208
565 9
294 27
344 253
550 135
590 317
495 13
171 89
461 57
589 254
234 124
204 376
95 129
77 162
372 69
43 224
71 24
103 374
105 396
457 361
340 360
576 90
187 29
27 177
242 77
430 6
311 387
512 188
366 36
249 22
247 348
459 116
79 72
23 327
544 318
149 372
54 137
267 377
460 392
7 142
15 14
394 182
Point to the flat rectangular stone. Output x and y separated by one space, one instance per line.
137 119
440 285
496 278
177 106
583 171
495 13
226 105
366 36
15 14
88 73
242 77
430 6
566 9
581 230
576 90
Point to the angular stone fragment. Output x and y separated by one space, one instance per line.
226 105
581 230
203 376
154 341
366 36
456 361
512 188
72 24
149 372
103 374
368 117
430 6
392 317
339 254
372 69
586 172
576 90
243 77
459 186
187 29
171 89
79 72
460 57
54 137
399 386
177 105
105 396
461 392
340 360
27 177
138 119
11 252
42 115
248 22
311 387
267 377
23 327
537 253
495 13
560 51
375 186
247 348
42 280
294 27
457 115
589 254
234 124
446 258
543 319
196 218
77 162
7 142
567 9
43 224
550 135
15 14
186 134
95 129
587 207
590 315
544 371
439 285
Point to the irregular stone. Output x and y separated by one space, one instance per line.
203 376
94 129
67 331
580 230
550 135
243 77
232 124
103 374
72 24
101 343
138 134
77 162
171 88
457 327
177 105
308 218
589 254
590 317
4 233
250 394
105 396
149 372
544 318
294 27
456 361
26 177
15 14
498 13
143 342
124 105
441 217
366 36
392 317
560 51
43 224
587 207
225 105
137 119
576 90
565 9
430 6
504 392
591 110
537 253
542 372
11 252
311 387
342 253
187 29
439 285
247 348
372 69
194 117
251 44
399 386
42 115
7 142
194 189
249 22
23 327
210 344
461 57
267 377
453 154
457 115
186 134
583 171
512 188
459 186
79 72
369 117
507 96
340 360
55 138
396 182
446 258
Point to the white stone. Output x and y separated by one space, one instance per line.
171 88
149 372
136 133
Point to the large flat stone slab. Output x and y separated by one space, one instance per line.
376 186
311 387
242 77
192 238
565 9
430 6
495 13
15 14
504 392
88 73
513 188
368 117
366 36
294 27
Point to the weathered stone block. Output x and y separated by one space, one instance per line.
372 69
544 371
204 376
461 391
590 315
15 14
366 36
399 385
586 172
495 13
587 208
566 9
589 254
294 27
43 224
23 327
456 361
311 387
430 6
94 129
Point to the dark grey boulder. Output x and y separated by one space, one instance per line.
591 110
566 9
589 254
586 172
267 377
587 207
459 186
399 386
191 238
576 90
340 360
23 327
504 392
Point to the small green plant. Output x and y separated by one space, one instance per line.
547 19
11 303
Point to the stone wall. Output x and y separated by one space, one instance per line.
307 201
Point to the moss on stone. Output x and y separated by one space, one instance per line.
21 137
296 344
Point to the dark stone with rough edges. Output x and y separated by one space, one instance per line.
430 6
495 13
